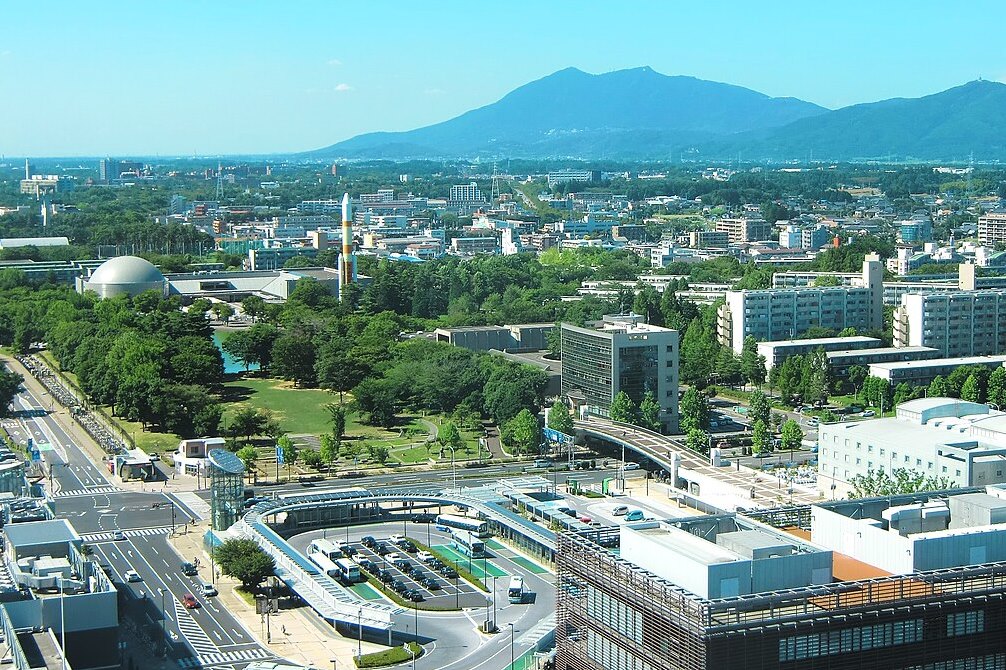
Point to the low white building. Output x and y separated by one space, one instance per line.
192 455
962 441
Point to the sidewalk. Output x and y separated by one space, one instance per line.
298 635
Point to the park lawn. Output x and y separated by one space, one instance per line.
147 440
297 410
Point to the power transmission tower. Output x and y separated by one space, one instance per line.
220 182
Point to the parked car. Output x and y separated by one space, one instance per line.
381 549
568 511
432 584
368 541
393 557
367 564
385 576
425 556
190 602
585 519
399 586
408 546
634 515
448 572
396 538
621 510
414 595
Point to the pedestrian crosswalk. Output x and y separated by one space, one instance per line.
135 532
217 658
78 493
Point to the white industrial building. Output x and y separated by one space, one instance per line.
962 441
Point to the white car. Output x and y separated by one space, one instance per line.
424 556
395 539
392 557
621 510
868 413
132 576
631 466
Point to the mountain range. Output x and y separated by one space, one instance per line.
642 114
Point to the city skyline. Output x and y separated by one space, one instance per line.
184 79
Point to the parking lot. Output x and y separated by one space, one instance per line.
445 592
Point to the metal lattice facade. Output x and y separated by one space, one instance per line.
613 615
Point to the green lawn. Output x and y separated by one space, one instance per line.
297 410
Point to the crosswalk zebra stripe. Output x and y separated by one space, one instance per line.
135 532
79 493
218 658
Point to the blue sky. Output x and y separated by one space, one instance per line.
183 77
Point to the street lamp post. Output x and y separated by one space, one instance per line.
359 628
511 645
494 602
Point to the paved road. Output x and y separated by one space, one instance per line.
97 507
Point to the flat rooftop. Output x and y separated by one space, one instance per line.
941 362
821 341
40 532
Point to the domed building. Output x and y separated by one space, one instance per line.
123 275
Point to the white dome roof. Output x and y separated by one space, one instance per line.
126 270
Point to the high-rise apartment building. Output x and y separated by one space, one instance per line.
621 354
745 230
992 228
962 323
785 314
466 193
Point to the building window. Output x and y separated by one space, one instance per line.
862 638
965 623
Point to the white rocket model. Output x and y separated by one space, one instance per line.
347 262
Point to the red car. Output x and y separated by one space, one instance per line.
190 601
585 519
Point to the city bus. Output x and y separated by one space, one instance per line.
330 549
449 521
349 572
468 543
515 592
324 562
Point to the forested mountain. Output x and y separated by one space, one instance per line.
628 113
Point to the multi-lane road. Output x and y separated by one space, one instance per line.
98 508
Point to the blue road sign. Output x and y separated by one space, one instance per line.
553 435
279 455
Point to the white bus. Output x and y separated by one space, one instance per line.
327 547
349 572
468 543
448 521
325 563
515 592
